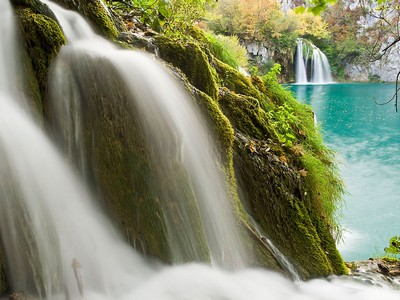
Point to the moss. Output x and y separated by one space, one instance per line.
272 188
192 61
43 39
246 114
95 12
274 194
234 80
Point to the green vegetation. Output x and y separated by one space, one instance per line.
393 250
188 57
305 140
227 49
173 17
263 22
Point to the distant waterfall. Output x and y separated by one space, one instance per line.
312 66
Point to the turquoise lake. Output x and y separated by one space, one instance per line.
366 138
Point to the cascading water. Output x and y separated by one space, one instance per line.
301 69
319 69
177 134
43 200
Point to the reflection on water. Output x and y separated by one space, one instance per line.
366 137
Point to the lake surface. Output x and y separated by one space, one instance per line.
366 137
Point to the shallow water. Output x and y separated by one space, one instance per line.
366 138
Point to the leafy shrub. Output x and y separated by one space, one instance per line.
173 17
394 246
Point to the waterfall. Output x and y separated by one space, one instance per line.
70 251
301 70
42 199
177 133
319 69
47 217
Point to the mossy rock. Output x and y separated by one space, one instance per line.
246 114
273 192
234 80
95 12
42 40
192 61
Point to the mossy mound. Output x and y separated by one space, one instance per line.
234 80
193 62
279 187
246 114
42 40
96 13
273 192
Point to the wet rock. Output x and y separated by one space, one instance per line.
20 295
378 272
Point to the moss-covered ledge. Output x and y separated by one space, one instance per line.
192 61
42 39
273 192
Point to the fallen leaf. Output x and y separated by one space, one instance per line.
283 159
303 172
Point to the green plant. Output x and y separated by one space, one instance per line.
151 12
281 120
296 127
394 247
228 49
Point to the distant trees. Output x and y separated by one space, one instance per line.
264 20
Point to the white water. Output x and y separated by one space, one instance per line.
320 71
301 70
45 203
66 225
41 191
157 94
